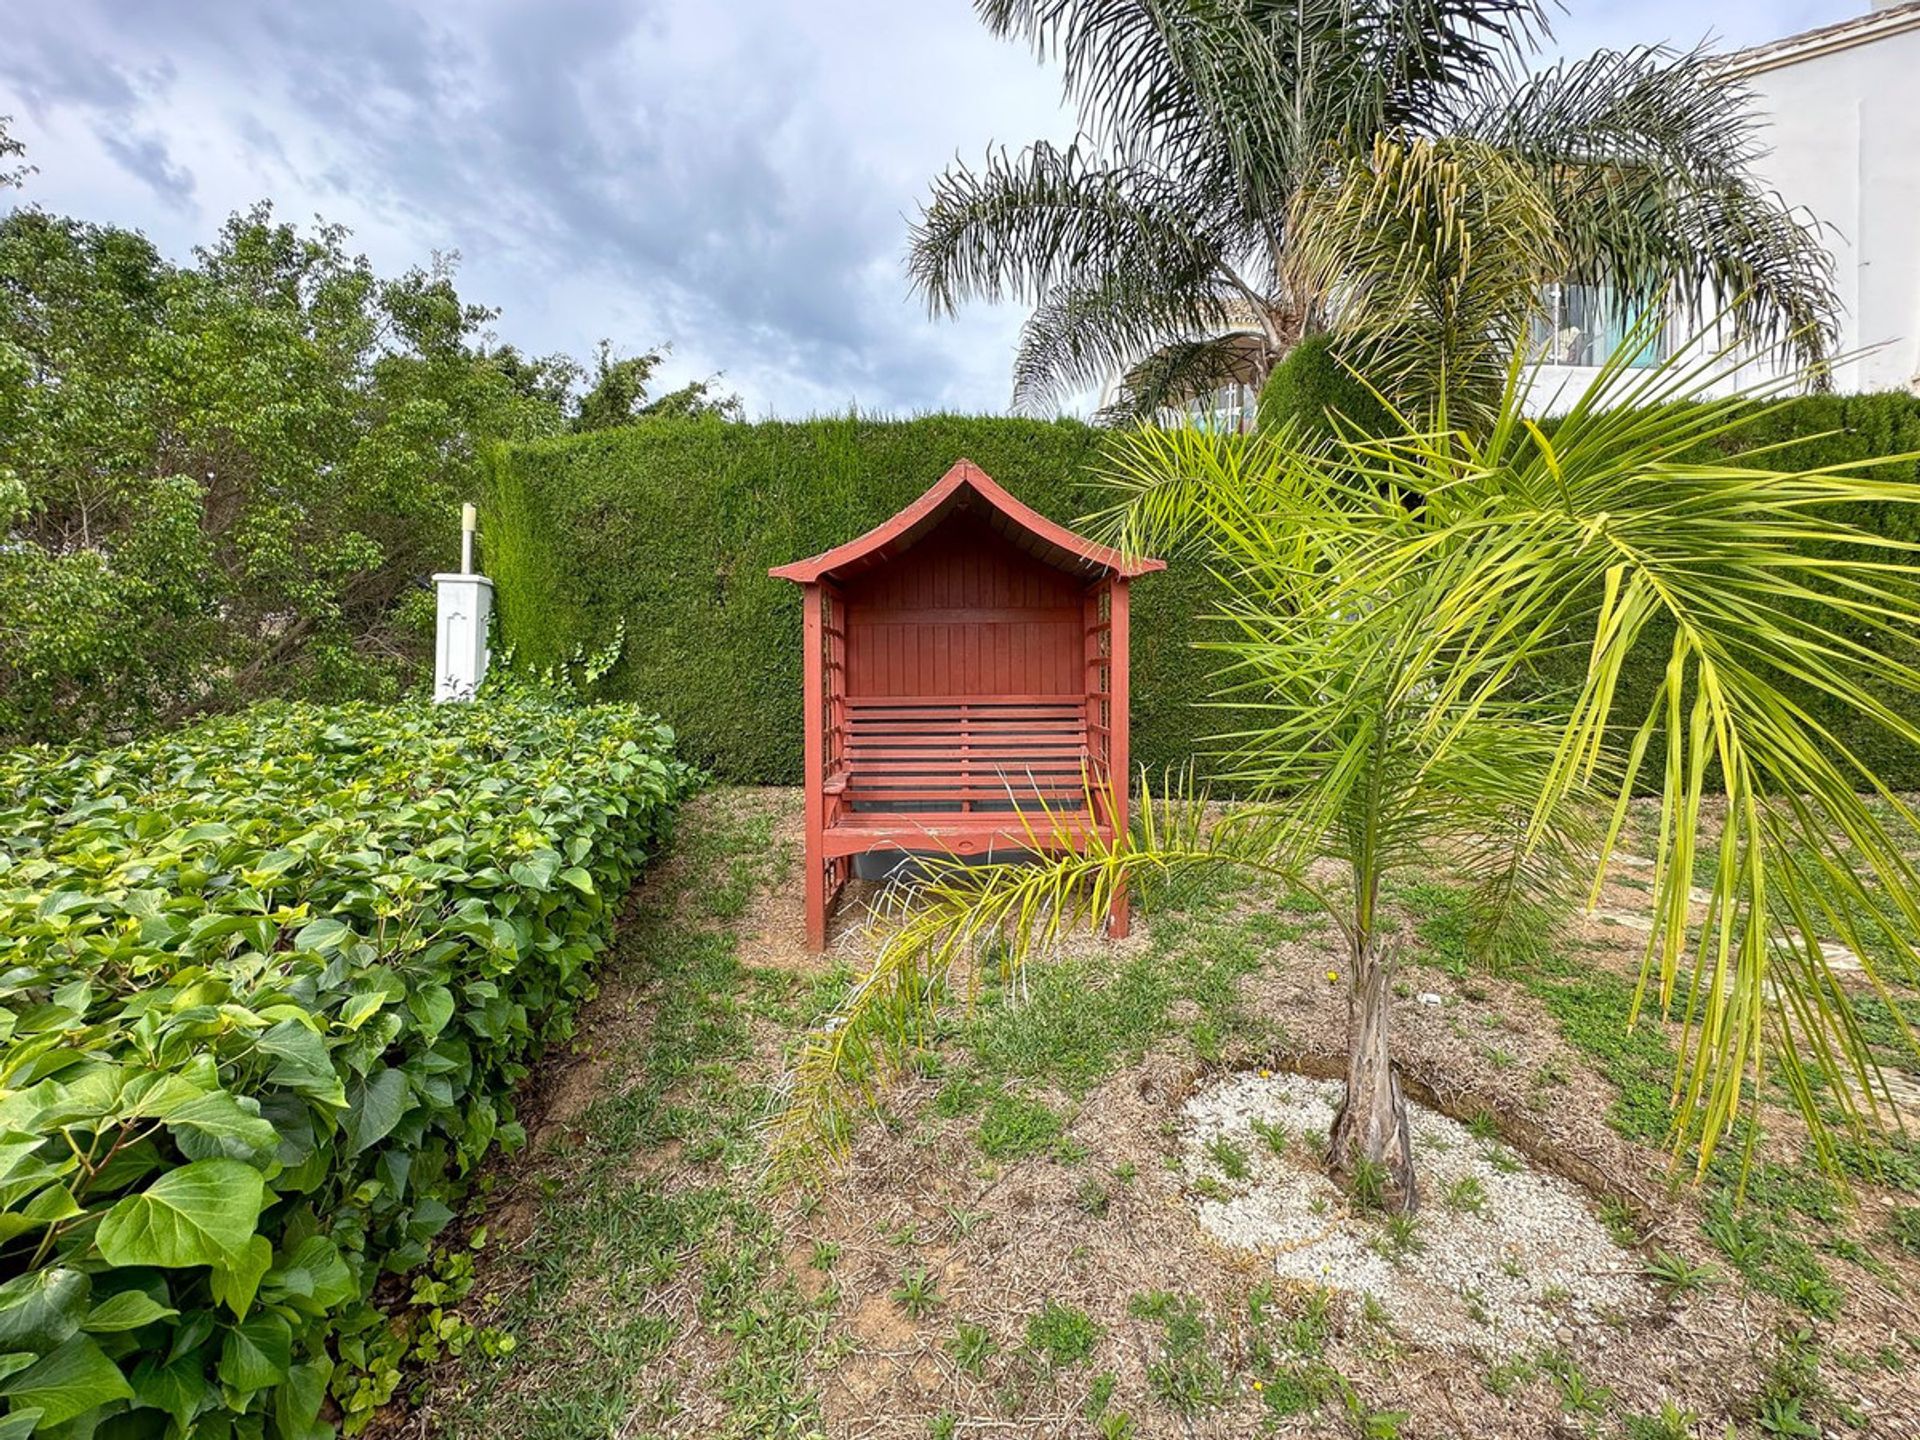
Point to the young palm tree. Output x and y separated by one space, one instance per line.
1160 244
1395 654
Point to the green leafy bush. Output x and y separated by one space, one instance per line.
669 526
266 987
1311 387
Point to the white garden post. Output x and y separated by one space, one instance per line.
460 631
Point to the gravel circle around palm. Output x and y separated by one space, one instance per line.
1502 1257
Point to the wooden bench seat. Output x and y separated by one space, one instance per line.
958 772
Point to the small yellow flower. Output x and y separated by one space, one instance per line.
1333 977
1258 1386
1266 1074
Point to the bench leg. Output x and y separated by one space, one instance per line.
817 903
1119 923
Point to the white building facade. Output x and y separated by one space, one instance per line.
1841 107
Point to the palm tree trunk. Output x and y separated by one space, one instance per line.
1372 1121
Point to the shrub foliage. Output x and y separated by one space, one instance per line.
266 987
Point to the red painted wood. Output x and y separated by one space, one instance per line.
969 613
966 687
890 538
1120 772
814 769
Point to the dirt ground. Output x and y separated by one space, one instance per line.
946 1280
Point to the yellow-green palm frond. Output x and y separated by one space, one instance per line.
1431 255
1760 605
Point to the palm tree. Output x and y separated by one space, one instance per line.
1394 653
1161 244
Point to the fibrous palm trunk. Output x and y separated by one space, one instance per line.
1371 1125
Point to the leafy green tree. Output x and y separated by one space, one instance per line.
1394 651
227 478
1162 244
618 393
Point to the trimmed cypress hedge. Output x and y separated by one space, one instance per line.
1311 387
668 528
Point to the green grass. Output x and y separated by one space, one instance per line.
1066 1026
1014 1126
1185 1376
612 1235
1073 1023
1062 1335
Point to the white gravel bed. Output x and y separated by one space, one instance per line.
1531 1267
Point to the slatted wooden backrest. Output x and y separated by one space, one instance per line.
966 753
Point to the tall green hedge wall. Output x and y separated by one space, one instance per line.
669 527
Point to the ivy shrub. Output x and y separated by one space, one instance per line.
266 988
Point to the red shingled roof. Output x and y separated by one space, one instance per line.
964 485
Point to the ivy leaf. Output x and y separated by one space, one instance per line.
256 1354
42 1309
374 1107
323 934
49 1207
360 1005
314 1277
578 878
180 1387
200 1214
235 1281
296 1404
536 873
219 1116
304 1065
128 1310
432 1008
70 1381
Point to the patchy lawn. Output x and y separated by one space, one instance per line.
1029 1241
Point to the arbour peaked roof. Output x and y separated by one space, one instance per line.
965 486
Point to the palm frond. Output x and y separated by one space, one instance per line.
1431 256
1758 599
1078 337
1646 157
1047 219
1178 372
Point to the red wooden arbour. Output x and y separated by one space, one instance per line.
965 663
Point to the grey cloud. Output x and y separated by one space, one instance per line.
675 161
145 157
731 177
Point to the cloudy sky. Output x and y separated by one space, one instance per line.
734 176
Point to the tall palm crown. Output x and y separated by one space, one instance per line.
1213 130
